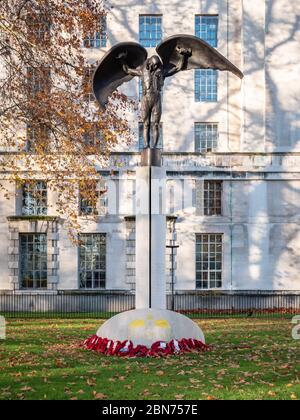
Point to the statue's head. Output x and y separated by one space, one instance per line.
153 63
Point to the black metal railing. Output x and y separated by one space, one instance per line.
196 304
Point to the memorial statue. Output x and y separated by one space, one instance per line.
129 59
151 329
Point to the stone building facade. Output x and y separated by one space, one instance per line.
231 147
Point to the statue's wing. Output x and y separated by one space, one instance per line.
203 55
109 74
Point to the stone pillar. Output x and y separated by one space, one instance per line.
150 237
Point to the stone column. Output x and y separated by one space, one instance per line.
150 233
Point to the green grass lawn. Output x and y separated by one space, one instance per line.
251 359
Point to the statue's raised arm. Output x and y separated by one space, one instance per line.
131 72
184 54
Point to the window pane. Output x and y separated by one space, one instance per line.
37 134
212 202
38 81
92 264
150 29
88 95
208 271
34 198
206 28
33 260
206 81
206 85
93 203
88 198
206 137
98 37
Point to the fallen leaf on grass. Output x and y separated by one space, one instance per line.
211 398
146 392
59 364
182 372
5 394
284 366
272 394
99 396
16 375
91 382
26 389
194 381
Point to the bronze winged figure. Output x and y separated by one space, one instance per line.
177 53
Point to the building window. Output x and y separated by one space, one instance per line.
206 85
38 81
92 261
98 37
212 198
206 137
95 203
141 136
37 134
93 136
150 30
33 261
88 94
88 199
140 87
38 27
206 28
209 251
34 198
206 81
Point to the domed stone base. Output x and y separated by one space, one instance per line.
146 326
147 332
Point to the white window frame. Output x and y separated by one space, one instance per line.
98 37
30 208
208 270
198 141
33 270
92 270
152 41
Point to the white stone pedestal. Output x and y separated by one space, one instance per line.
150 235
146 326
150 322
